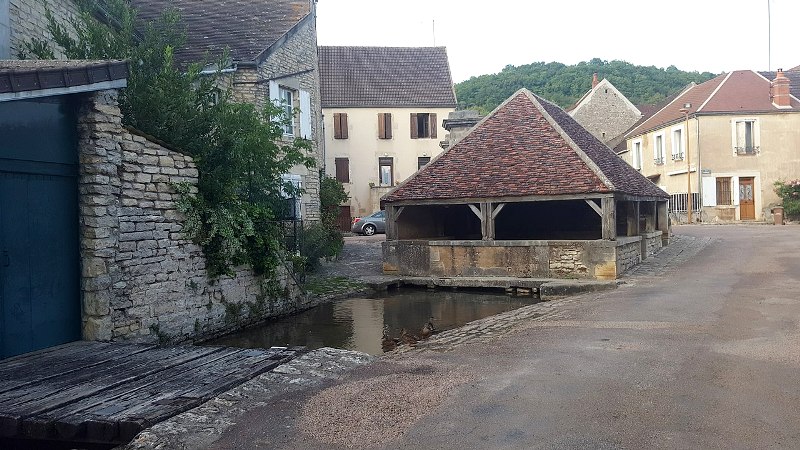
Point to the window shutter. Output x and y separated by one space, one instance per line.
305 115
388 125
381 126
274 95
337 126
343 125
710 191
414 129
433 125
343 170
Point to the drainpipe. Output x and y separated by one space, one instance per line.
699 168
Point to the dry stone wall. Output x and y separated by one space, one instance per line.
142 278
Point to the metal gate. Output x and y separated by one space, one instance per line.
39 255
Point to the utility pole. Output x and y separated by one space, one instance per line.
685 111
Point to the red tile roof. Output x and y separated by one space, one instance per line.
385 77
526 147
246 27
742 91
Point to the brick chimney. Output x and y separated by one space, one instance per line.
595 81
780 91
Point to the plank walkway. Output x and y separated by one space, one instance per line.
107 393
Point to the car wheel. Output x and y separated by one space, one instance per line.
369 230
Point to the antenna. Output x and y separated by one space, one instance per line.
433 25
769 38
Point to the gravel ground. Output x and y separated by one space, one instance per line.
365 413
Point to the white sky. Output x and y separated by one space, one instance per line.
483 37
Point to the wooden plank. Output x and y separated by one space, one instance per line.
14 415
594 206
525 199
497 210
60 364
609 222
476 211
72 417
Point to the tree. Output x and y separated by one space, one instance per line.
239 149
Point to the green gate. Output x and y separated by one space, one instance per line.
39 255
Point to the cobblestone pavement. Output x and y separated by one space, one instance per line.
681 249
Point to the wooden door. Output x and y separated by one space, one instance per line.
345 219
39 252
747 203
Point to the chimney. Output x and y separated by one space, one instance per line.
594 80
780 91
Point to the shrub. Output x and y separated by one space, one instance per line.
789 192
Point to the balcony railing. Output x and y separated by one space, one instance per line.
751 150
677 156
658 161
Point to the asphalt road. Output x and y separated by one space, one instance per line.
706 356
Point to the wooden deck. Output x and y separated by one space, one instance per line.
107 393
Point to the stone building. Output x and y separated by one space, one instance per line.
605 112
727 141
273 57
22 20
527 193
383 109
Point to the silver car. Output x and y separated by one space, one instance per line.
374 223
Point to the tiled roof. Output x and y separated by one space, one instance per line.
792 74
742 91
35 75
246 27
526 147
385 77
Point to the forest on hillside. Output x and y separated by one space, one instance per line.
565 84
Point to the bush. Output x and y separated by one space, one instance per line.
789 192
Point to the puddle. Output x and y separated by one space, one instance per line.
357 323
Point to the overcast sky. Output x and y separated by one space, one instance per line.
483 37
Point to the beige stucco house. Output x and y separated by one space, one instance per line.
383 109
735 135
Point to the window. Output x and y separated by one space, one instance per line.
384 125
422 161
658 149
386 171
423 125
340 126
724 191
292 193
636 156
677 144
342 170
745 137
287 104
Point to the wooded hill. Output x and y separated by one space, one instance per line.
565 84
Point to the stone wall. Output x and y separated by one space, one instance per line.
293 60
27 19
593 259
142 278
606 115
652 244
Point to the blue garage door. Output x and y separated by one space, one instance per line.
39 260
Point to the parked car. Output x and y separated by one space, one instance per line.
374 223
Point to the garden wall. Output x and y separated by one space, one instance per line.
142 278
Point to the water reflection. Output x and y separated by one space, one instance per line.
357 324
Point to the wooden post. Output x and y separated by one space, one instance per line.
650 217
391 223
662 218
633 219
609 218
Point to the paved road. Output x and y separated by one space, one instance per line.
700 353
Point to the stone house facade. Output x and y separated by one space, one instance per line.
377 137
22 20
735 135
272 49
605 112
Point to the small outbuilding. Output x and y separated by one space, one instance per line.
527 193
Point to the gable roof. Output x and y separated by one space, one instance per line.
247 28
603 84
526 147
742 91
385 77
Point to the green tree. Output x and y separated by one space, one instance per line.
239 149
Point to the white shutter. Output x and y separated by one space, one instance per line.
735 190
274 92
709 191
305 115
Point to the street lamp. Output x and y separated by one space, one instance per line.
685 111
